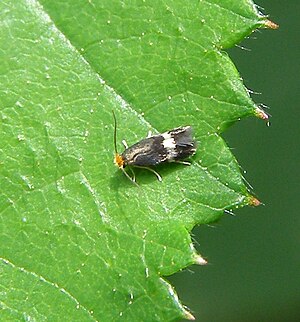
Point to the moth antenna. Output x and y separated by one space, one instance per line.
115 132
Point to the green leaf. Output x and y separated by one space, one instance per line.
78 239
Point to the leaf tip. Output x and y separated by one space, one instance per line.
270 24
199 260
252 201
189 316
261 114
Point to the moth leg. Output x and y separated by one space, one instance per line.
133 174
132 179
125 144
149 134
182 162
159 178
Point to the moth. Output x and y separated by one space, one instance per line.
172 146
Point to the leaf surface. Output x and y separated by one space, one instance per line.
78 239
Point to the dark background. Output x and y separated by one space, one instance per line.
254 258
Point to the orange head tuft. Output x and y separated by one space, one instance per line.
119 161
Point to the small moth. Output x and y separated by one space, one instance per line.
171 146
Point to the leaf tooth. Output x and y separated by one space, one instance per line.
253 201
189 316
199 260
261 114
271 25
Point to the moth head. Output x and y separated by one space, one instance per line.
119 161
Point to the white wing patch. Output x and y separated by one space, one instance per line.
168 142
170 145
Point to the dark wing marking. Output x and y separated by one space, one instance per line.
147 152
152 150
185 145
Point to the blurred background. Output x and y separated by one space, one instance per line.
254 258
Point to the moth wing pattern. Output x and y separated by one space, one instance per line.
147 152
173 145
184 146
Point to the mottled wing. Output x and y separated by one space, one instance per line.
182 143
174 145
147 152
